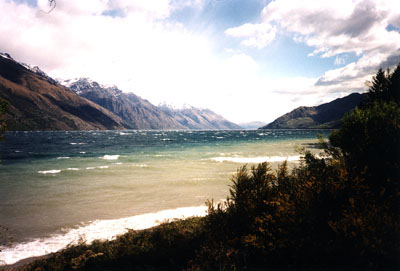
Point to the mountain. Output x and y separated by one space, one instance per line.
135 112
37 102
197 118
252 125
325 116
138 113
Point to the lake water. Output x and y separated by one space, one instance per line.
57 187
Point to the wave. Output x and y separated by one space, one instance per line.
52 171
110 157
98 229
63 157
55 171
140 165
255 160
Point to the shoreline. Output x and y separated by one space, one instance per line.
106 230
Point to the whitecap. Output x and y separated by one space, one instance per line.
103 167
52 171
98 229
256 160
110 157
63 157
89 168
139 165
73 168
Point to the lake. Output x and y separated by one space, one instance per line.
57 187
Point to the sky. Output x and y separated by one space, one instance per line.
248 60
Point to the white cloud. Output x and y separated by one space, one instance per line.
257 35
339 60
159 9
334 28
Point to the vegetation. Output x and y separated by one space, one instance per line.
3 110
338 211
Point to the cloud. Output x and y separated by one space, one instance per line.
160 9
339 60
333 28
257 35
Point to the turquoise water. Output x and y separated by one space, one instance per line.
57 186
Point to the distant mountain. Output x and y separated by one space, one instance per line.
135 112
252 125
38 102
324 116
138 113
199 119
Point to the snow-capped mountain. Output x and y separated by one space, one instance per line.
138 113
34 69
38 102
199 118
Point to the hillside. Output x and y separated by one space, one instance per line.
324 116
37 102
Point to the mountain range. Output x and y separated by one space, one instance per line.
324 116
138 113
38 102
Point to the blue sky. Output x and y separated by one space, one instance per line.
246 60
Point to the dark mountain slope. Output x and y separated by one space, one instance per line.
38 103
326 115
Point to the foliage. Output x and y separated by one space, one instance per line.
3 109
385 86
